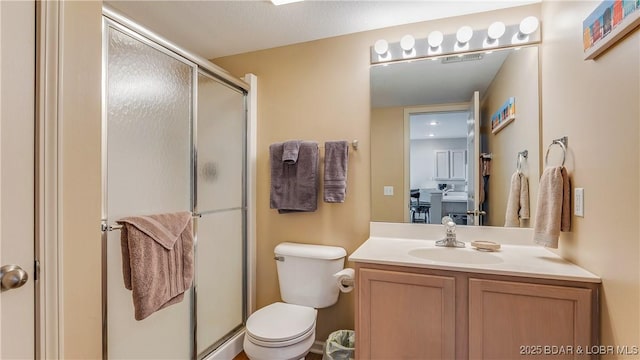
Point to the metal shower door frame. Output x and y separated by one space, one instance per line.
113 20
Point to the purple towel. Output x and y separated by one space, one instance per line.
336 158
290 150
157 260
294 187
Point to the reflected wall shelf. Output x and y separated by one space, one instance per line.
504 123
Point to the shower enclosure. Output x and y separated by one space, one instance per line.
174 139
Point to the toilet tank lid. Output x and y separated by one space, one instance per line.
323 252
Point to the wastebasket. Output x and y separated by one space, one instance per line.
340 345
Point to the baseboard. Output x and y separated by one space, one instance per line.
318 347
229 349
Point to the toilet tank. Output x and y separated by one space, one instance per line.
305 273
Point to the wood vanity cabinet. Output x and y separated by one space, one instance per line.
414 313
511 320
405 313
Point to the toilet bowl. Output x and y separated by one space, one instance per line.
280 331
287 330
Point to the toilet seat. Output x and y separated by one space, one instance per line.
281 324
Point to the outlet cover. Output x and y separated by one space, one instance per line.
388 190
578 202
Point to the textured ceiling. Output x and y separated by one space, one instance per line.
213 29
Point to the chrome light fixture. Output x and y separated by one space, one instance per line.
437 44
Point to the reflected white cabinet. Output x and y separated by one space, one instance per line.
441 171
450 165
457 169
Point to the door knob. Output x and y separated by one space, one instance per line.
12 277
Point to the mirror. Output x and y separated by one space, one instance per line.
424 164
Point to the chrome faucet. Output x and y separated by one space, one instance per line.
450 238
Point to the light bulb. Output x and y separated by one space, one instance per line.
464 34
381 47
496 30
435 39
529 25
407 42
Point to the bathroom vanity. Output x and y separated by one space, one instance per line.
417 301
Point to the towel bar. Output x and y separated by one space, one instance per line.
354 144
562 142
106 227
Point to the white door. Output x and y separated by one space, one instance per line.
17 74
473 153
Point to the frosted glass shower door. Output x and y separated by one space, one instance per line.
220 189
148 156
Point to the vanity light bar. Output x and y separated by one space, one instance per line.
465 40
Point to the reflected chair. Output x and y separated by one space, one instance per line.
419 210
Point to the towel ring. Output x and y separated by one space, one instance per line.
563 144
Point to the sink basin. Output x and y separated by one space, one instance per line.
454 255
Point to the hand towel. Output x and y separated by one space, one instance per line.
290 150
157 260
524 212
511 218
336 159
518 200
294 187
485 171
553 213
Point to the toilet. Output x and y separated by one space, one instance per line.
286 330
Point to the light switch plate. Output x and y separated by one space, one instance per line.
388 190
578 202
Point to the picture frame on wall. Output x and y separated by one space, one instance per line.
609 22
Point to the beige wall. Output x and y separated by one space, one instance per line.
595 104
517 77
316 91
320 90
387 164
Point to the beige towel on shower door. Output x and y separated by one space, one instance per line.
157 260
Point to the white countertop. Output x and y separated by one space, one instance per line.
454 199
514 259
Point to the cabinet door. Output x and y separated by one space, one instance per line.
441 171
405 315
509 320
458 164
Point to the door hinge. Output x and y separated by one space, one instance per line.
36 270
